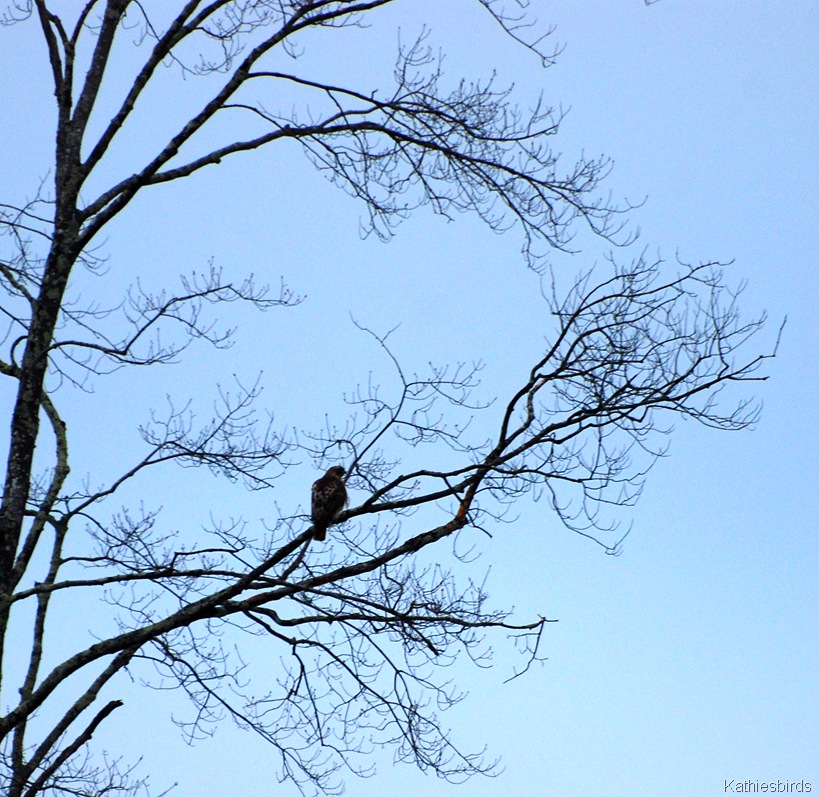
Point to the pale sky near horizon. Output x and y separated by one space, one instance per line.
689 660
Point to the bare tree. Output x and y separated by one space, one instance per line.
362 626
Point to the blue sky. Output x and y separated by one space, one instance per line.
690 659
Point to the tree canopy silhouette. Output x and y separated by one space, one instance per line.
362 626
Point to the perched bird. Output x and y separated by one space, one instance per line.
328 499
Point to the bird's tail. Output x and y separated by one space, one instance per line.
319 532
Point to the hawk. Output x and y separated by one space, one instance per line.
328 499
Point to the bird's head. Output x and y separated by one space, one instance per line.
337 470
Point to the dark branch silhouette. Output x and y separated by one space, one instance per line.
358 631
